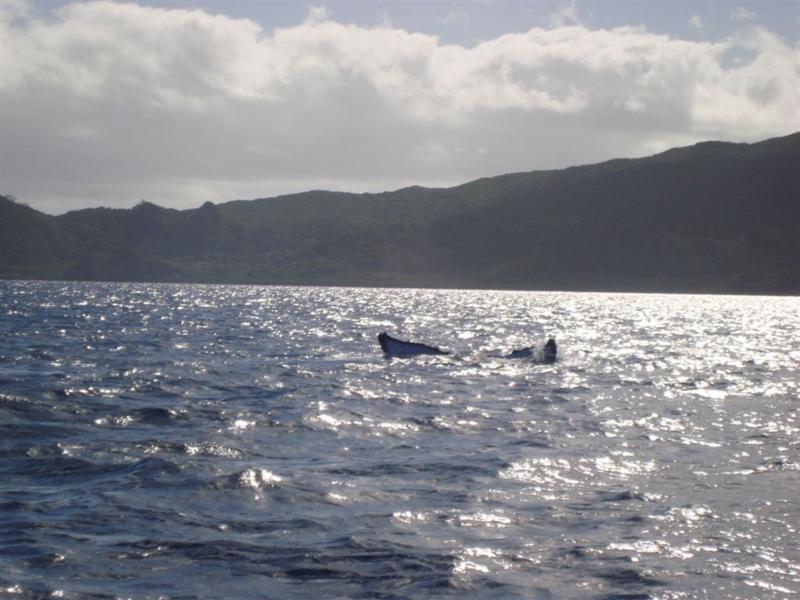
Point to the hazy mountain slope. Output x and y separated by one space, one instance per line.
31 243
715 217
710 217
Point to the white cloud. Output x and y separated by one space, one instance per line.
317 14
564 14
11 10
456 17
742 14
110 102
696 22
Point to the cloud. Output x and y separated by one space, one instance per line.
317 14
696 22
742 14
11 10
564 14
106 103
456 17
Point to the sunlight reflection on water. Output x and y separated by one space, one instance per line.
203 431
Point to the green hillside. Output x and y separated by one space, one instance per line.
714 217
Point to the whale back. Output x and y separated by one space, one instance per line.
546 355
528 352
394 347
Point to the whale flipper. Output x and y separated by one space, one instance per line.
394 347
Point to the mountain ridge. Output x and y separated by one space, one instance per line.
714 217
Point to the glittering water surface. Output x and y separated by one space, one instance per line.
251 442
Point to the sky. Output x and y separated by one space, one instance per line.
108 103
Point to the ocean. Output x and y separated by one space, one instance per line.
211 441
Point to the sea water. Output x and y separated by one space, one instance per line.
183 441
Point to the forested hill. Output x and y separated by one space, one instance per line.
713 217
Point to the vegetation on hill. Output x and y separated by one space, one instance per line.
713 217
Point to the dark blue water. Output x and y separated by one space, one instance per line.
176 441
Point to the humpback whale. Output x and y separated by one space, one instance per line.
394 347
546 355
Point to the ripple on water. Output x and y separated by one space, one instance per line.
238 441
